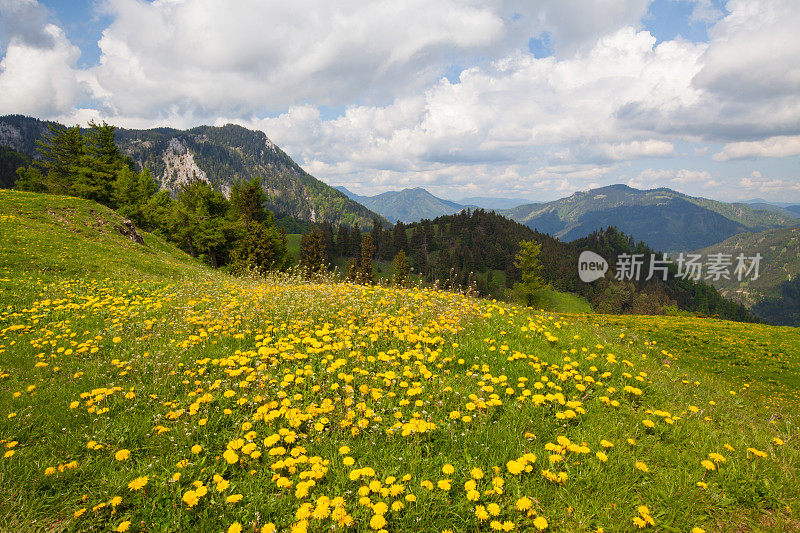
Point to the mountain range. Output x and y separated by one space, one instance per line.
408 205
220 155
663 218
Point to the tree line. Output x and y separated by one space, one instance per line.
235 232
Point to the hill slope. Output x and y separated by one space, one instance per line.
200 402
778 270
780 261
662 218
408 205
220 155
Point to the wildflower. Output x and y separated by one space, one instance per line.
708 465
234 498
230 456
236 527
377 521
448 469
197 449
717 457
190 498
122 455
524 503
540 523
515 467
641 466
481 513
138 483
123 526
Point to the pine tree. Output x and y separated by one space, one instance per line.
312 254
366 273
247 200
342 241
259 245
529 266
400 239
355 241
401 269
62 158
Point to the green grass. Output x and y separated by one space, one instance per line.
561 302
156 354
763 359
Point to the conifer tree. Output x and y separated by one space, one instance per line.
366 273
401 269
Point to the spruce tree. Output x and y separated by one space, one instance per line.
366 273
401 269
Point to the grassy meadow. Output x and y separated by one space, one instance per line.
141 391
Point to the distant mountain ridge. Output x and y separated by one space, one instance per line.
780 262
493 204
408 205
663 218
220 155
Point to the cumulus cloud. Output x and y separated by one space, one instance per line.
38 74
768 186
25 20
502 120
781 146
680 178
255 56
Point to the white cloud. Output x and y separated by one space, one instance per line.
781 146
766 186
251 56
508 122
40 77
681 178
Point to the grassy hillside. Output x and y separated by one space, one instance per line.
154 394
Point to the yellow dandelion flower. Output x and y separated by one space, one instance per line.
138 483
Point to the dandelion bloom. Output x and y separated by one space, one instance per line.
122 455
230 456
190 498
123 526
540 523
138 483
524 503
377 522
236 527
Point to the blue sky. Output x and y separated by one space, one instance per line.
497 98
